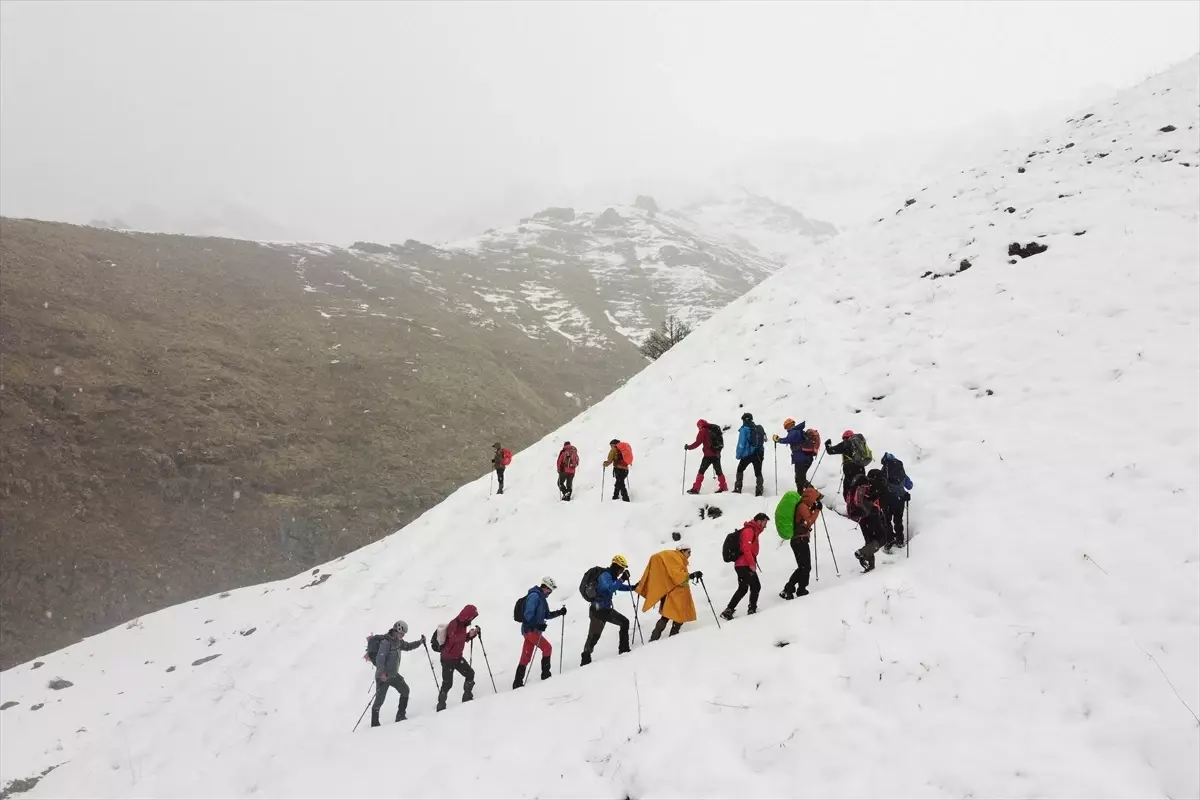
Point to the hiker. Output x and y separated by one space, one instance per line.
746 566
710 438
897 485
803 520
856 456
537 611
501 458
750 452
862 506
620 456
457 633
601 612
568 460
804 444
665 581
387 670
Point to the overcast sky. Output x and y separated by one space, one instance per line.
386 121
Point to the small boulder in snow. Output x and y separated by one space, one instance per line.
60 683
1025 251
205 660
610 217
1166 129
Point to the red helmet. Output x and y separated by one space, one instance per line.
847 434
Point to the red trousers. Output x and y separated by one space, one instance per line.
534 638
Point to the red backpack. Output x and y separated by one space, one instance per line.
626 453
506 456
812 442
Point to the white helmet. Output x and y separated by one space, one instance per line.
401 627
683 545
549 583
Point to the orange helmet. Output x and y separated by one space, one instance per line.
789 423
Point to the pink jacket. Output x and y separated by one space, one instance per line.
750 533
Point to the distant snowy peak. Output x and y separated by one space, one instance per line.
777 230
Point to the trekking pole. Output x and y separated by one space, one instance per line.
603 475
637 619
432 671
907 530
710 605
471 659
487 663
491 477
360 716
817 466
529 666
816 562
683 478
836 571
562 638
777 469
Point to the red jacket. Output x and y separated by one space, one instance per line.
703 439
750 534
568 459
457 634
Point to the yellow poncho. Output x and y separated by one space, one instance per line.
666 575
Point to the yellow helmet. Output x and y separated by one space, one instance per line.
620 561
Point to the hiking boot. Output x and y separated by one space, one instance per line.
693 491
758 492
624 499
721 489
441 706
786 594
519 678
751 610
737 488
402 710
467 687
374 719
499 491
801 592
727 614
616 497
545 668
585 659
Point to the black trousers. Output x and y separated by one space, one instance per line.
619 490
599 618
803 554
381 687
448 669
802 474
566 482
893 515
849 470
755 461
747 581
713 461
500 478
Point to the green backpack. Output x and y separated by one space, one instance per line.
860 454
785 514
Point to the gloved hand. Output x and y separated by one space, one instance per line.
562 612
625 576
685 447
775 437
422 638
542 627
697 575
829 442
478 630
817 506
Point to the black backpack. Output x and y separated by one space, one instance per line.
589 586
519 609
731 548
373 647
716 439
758 437
434 644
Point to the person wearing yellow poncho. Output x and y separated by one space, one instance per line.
665 581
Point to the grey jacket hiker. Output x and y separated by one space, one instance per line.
387 662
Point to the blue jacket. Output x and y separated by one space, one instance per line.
537 611
606 587
745 445
795 438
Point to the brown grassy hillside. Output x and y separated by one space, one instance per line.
177 417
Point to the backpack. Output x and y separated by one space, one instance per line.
758 438
626 453
506 456
785 514
373 647
859 453
731 548
589 586
716 439
438 638
519 608
897 479
812 442
572 458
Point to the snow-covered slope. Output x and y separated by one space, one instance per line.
1042 640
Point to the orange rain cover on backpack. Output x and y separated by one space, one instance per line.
626 453
506 456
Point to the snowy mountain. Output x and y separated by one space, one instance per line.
1042 640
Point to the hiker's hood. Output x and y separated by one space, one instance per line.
468 613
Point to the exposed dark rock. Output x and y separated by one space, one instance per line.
879 397
324 577
9 704
1011 210
1030 249
248 631
782 643
1068 145
1021 170
927 273
610 217
223 595
1166 129
60 683
36 706
1088 116
1012 261
1101 155
1080 233
909 202
21 785
370 247
989 392
170 669
37 664
646 203
964 265
205 660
